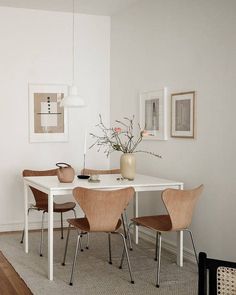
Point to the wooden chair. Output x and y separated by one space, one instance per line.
86 171
124 219
102 210
216 276
41 202
180 205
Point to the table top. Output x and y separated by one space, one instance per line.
108 181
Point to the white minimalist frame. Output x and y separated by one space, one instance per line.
183 114
153 114
52 125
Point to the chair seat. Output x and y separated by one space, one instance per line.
83 224
60 208
157 222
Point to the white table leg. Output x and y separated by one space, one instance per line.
180 245
26 240
50 237
136 215
180 248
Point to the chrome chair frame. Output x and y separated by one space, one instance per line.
42 228
124 220
158 251
80 234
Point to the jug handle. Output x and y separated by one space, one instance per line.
62 165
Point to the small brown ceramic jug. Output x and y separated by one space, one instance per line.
65 173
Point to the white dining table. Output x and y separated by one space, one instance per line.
52 187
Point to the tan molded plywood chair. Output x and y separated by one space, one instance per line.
86 171
179 205
41 202
102 210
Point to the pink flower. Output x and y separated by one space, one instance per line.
117 130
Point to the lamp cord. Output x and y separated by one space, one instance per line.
73 44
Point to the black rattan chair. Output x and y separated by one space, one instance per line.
216 277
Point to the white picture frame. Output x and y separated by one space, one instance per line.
153 114
48 121
183 114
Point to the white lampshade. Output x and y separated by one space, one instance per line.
73 100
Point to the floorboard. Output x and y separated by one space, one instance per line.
11 282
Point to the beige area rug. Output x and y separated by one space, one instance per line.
93 274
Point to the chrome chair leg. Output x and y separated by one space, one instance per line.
80 242
128 232
122 258
127 256
41 240
109 245
74 262
159 260
62 226
123 253
74 213
123 224
23 232
67 240
194 248
22 237
156 247
87 244
129 237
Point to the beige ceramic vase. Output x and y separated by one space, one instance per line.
128 166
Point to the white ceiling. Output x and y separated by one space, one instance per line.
99 7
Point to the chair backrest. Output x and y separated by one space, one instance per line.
180 205
86 171
103 208
216 276
41 199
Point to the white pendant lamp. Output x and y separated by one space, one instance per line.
73 100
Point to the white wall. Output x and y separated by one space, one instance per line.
36 47
185 45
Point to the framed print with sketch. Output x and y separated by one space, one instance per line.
153 114
183 114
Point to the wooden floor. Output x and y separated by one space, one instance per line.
10 282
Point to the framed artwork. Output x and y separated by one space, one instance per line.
153 114
48 121
183 114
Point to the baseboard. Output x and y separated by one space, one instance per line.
166 244
32 226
